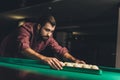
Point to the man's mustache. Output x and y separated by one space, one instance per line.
43 37
46 36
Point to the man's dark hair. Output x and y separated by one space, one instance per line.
44 19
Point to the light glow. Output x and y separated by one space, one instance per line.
17 17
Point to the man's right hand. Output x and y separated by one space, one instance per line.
53 62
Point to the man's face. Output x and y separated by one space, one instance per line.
47 31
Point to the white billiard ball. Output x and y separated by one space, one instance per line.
68 64
86 66
78 65
94 67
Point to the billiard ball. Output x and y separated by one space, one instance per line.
86 66
94 67
69 64
78 65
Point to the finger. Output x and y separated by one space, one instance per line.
57 63
55 66
83 62
50 63
61 63
80 61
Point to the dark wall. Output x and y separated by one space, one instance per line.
95 49
6 28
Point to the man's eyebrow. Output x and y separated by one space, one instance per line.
49 29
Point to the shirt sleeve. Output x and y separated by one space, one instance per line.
56 47
24 37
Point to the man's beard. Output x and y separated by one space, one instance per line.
42 38
45 37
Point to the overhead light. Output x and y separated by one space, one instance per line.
76 33
79 33
17 17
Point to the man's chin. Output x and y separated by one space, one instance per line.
45 38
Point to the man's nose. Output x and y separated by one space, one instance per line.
49 34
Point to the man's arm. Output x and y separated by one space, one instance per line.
63 51
33 54
73 59
53 62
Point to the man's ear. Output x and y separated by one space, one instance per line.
39 26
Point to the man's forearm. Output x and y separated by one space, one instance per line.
53 62
73 59
69 57
33 54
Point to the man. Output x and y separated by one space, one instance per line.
31 38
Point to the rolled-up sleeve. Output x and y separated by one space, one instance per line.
23 38
56 47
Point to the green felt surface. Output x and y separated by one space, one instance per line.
36 67
36 63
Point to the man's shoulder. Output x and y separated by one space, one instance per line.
28 26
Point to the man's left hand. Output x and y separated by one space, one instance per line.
79 61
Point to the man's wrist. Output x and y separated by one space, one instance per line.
74 60
42 57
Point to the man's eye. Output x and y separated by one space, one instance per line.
52 31
47 30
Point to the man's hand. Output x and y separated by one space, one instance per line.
73 59
53 62
79 61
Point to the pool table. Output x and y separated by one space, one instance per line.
38 68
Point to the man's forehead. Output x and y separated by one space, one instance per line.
49 26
